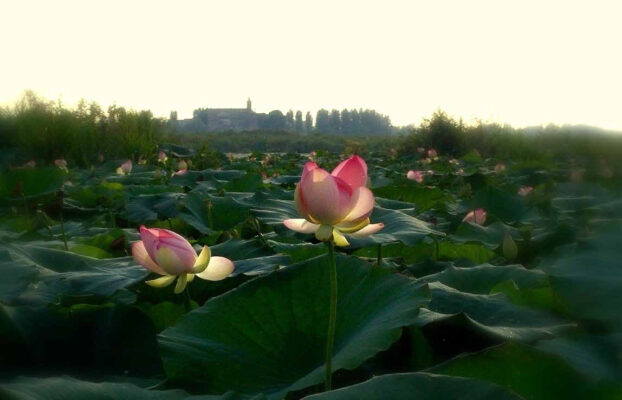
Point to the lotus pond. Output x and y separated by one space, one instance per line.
469 278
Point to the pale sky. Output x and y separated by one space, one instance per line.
518 62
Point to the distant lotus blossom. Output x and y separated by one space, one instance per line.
453 161
125 168
460 171
334 204
230 156
415 175
168 254
181 172
264 176
477 216
429 172
312 155
420 150
432 153
525 190
499 168
162 156
426 161
142 161
182 165
61 163
30 164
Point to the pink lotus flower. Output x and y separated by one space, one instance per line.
525 190
477 216
499 168
334 204
61 163
125 168
432 153
168 254
312 155
162 156
415 175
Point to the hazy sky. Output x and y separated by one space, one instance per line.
520 62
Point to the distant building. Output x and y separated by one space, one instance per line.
222 119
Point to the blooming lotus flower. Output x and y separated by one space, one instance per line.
162 156
415 175
499 168
432 153
61 163
312 155
477 216
125 168
334 204
525 190
168 254
182 165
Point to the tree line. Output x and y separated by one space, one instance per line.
345 122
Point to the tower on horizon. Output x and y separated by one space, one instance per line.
248 104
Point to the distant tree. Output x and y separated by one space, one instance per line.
334 122
322 123
355 121
173 116
346 122
298 123
308 122
274 121
289 121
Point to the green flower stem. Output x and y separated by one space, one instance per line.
332 314
379 256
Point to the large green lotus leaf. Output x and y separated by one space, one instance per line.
147 208
483 278
135 178
426 250
16 274
595 356
490 236
30 182
64 273
190 178
507 207
247 183
588 277
178 151
251 257
420 386
268 335
67 388
82 339
421 197
493 315
398 227
528 372
206 213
